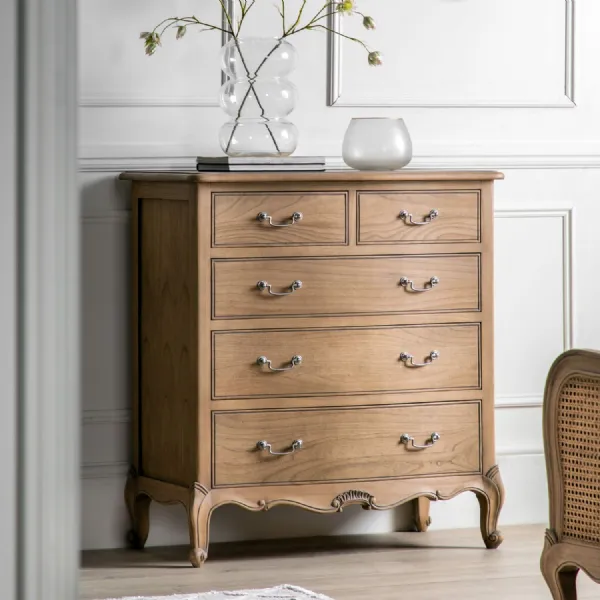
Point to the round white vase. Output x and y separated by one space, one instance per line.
377 144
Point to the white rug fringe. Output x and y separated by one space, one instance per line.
281 592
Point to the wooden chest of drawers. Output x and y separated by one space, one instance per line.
318 340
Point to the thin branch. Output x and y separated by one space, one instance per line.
343 35
189 20
311 24
291 29
228 17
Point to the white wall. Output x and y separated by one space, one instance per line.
506 84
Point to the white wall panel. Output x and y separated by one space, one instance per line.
467 53
114 70
105 313
532 297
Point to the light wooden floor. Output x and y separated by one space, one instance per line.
437 565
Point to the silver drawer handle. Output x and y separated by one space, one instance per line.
408 218
263 360
264 445
409 284
265 285
408 359
263 216
409 439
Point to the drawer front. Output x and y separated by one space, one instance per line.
342 361
321 219
407 217
345 286
345 444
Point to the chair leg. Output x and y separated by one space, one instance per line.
562 583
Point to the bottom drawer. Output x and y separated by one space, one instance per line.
346 444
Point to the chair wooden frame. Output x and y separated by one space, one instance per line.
572 543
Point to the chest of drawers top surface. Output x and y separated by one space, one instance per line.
327 176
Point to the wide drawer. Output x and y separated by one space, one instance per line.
351 360
280 219
344 286
418 217
345 443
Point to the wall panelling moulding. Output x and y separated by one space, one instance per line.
128 157
559 94
118 101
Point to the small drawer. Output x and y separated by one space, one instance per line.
345 286
345 444
418 217
280 219
350 360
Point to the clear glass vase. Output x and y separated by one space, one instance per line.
258 97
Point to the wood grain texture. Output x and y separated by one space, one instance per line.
168 340
324 219
345 286
421 517
135 330
198 253
308 178
345 444
352 567
379 219
487 324
571 428
345 361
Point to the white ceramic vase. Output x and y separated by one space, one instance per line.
377 144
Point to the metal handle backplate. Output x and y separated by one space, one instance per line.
265 217
265 285
409 439
407 283
264 445
408 218
408 359
294 362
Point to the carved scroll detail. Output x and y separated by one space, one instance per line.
550 537
353 497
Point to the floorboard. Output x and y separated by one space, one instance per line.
411 566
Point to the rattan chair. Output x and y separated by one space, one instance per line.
572 448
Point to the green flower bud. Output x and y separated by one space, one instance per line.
375 59
369 23
151 43
181 31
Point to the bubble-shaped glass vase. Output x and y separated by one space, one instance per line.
258 97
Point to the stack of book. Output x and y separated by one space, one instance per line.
260 163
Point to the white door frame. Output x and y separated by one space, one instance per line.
8 294
42 228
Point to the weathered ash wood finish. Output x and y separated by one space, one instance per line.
571 434
201 400
345 444
385 217
345 286
345 361
439 178
323 219
168 338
